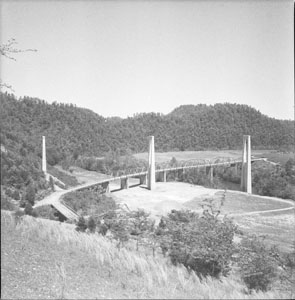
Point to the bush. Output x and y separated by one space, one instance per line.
81 225
102 229
18 215
15 195
28 209
91 225
258 264
30 194
6 203
203 244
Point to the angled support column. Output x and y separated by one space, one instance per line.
44 167
152 167
246 178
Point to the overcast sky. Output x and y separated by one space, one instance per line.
123 57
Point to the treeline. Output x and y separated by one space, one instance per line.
73 130
73 133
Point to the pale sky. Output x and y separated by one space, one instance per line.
118 58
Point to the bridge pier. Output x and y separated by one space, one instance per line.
143 179
209 172
236 168
124 183
246 178
180 174
163 176
152 166
44 166
106 187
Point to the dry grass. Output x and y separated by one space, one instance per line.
277 227
126 273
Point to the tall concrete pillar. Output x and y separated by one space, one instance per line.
246 178
44 167
152 166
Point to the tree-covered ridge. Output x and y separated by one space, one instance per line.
75 135
71 130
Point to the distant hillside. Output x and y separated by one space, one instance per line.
72 131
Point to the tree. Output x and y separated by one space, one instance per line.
30 194
28 209
258 264
203 244
290 167
140 224
7 50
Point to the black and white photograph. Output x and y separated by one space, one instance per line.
147 149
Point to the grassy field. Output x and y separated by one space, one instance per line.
191 155
42 259
278 157
277 227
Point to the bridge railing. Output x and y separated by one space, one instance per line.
185 164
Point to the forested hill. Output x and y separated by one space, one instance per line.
71 130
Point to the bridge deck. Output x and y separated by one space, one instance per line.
71 214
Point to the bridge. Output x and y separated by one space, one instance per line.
147 176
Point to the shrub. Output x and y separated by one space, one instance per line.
258 264
30 194
102 229
91 225
203 244
15 195
18 215
6 203
28 209
289 267
81 225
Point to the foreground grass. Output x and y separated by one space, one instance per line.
45 259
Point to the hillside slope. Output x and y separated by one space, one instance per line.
42 259
72 131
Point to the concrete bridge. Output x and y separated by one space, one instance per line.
148 176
